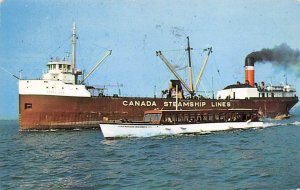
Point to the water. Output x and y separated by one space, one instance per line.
266 158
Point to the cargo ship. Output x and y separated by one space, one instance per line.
62 100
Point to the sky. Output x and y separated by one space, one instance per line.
32 31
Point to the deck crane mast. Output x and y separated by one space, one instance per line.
190 88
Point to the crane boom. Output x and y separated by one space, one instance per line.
97 65
172 69
202 68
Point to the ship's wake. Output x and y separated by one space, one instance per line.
296 123
276 124
269 124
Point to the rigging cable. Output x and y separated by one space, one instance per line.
60 46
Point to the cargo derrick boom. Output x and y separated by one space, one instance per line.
172 69
97 65
191 88
202 68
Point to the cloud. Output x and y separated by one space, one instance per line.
1 1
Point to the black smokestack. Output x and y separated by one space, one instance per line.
282 55
249 61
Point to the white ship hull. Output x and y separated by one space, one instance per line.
149 130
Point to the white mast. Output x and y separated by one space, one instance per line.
74 49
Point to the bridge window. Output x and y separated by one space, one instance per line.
28 106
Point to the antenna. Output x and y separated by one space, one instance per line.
20 74
67 55
119 89
285 79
